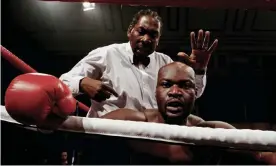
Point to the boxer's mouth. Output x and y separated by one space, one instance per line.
174 106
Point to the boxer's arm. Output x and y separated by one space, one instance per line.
216 124
233 157
91 66
228 155
125 114
254 157
194 120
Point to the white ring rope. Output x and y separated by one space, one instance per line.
231 138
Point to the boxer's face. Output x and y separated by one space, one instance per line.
175 91
144 36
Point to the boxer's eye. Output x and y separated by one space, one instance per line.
187 85
166 84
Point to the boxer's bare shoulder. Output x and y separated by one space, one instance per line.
193 120
125 114
153 115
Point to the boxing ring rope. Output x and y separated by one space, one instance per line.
231 138
25 68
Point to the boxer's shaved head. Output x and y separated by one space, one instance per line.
175 91
177 67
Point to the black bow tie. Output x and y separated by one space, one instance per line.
141 60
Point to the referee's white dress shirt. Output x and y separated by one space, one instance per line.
114 65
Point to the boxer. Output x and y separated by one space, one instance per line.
175 95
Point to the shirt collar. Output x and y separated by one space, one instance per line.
130 53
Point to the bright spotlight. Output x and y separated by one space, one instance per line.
88 6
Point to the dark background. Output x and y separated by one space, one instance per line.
53 36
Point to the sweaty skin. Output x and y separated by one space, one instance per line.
147 152
175 94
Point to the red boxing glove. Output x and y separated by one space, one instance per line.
39 99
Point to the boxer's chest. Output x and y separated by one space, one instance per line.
159 153
175 153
